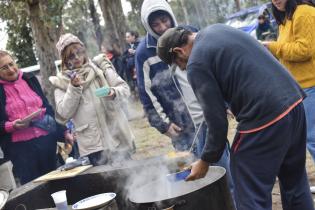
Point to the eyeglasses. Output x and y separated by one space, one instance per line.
7 66
78 53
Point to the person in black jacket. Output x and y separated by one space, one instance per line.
227 65
115 58
264 30
31 149
129 58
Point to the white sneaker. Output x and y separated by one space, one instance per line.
312 188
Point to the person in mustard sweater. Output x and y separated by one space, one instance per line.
295 49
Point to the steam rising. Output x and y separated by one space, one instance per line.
147 175
151 184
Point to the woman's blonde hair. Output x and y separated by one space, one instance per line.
4 53
65 55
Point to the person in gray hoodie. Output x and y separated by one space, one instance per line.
162 102
165 93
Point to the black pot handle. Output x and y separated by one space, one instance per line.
180 203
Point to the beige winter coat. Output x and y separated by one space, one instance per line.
99 123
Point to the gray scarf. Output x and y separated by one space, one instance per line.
87 73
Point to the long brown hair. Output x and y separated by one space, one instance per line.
290 8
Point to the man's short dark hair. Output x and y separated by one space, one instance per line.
183 40
172 38
158 14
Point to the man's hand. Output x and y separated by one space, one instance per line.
20 124
199 170
230 114
265 43
173 131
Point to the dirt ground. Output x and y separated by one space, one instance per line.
151 143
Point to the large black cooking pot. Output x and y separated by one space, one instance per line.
209 193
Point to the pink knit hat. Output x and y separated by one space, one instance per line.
65 40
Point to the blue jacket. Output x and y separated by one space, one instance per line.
158 92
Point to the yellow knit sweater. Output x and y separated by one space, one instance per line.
295 47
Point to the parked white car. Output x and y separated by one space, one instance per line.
35 69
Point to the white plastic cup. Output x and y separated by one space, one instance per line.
60 199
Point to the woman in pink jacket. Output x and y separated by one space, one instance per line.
23 136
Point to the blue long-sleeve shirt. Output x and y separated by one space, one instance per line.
158 93
228 65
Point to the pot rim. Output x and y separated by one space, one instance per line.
221 171
5 196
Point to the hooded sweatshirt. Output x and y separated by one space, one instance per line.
150 6
161 99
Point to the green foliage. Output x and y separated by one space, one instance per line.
178 12
134 18
134 23
52 10
20 41
201 13
251 3
77 20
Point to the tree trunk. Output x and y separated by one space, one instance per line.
219 14
202 16
115 23
237 5
133 19
96 23
183 6
136 5
44 24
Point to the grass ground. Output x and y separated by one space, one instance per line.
151 143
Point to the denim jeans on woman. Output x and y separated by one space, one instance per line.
309 106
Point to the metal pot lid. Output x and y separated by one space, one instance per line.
162 189
3 198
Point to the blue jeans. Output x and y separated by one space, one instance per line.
225 158
309 106
183 141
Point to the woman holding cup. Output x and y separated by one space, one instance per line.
89 92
